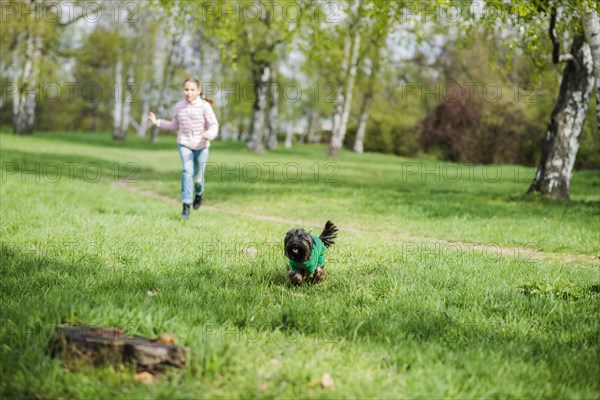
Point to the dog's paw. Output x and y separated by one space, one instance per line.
320 274
295 277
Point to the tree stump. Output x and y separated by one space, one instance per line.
111 345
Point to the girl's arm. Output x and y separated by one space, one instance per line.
211 125
163 123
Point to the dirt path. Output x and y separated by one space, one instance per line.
412 240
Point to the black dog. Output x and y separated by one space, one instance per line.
306 253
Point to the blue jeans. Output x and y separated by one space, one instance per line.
192 174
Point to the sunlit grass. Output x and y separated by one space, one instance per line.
398 317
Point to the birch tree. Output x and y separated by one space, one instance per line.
561 143
574 20
34 40
273 117
341 111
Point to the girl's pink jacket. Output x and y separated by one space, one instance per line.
195 122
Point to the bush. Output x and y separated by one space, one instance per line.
467 129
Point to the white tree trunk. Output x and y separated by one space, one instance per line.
289 136
311 126
143 125
341 125
24 107
338 107
366 103
16 95
260 107
591 29
128 89
362 125
118 106
553 177
350 87
273 120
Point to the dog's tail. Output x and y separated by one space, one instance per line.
329 234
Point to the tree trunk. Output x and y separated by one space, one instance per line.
337 138
289 136
80 345
143 125
118 106
261 77
24 106
16 96
167 77
338 106
311 126
553 176
273 120
362 125
591 29
128 99
94 115
366 104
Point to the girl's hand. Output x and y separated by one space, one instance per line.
152 117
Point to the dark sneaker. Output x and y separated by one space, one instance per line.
197 201
185 214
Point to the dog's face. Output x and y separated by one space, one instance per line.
298 245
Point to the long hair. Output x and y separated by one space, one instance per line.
197 82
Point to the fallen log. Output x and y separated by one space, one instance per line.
111 345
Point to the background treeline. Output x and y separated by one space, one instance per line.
418 90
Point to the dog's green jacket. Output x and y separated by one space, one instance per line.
317 258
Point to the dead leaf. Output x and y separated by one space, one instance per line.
326 382
166 338
250 251
153 293
144 377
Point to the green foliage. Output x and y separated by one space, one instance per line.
560 288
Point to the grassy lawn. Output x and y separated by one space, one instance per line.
426 297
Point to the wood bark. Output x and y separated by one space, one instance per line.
553 176
110 345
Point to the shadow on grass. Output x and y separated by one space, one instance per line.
439 201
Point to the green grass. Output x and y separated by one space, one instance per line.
403 313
